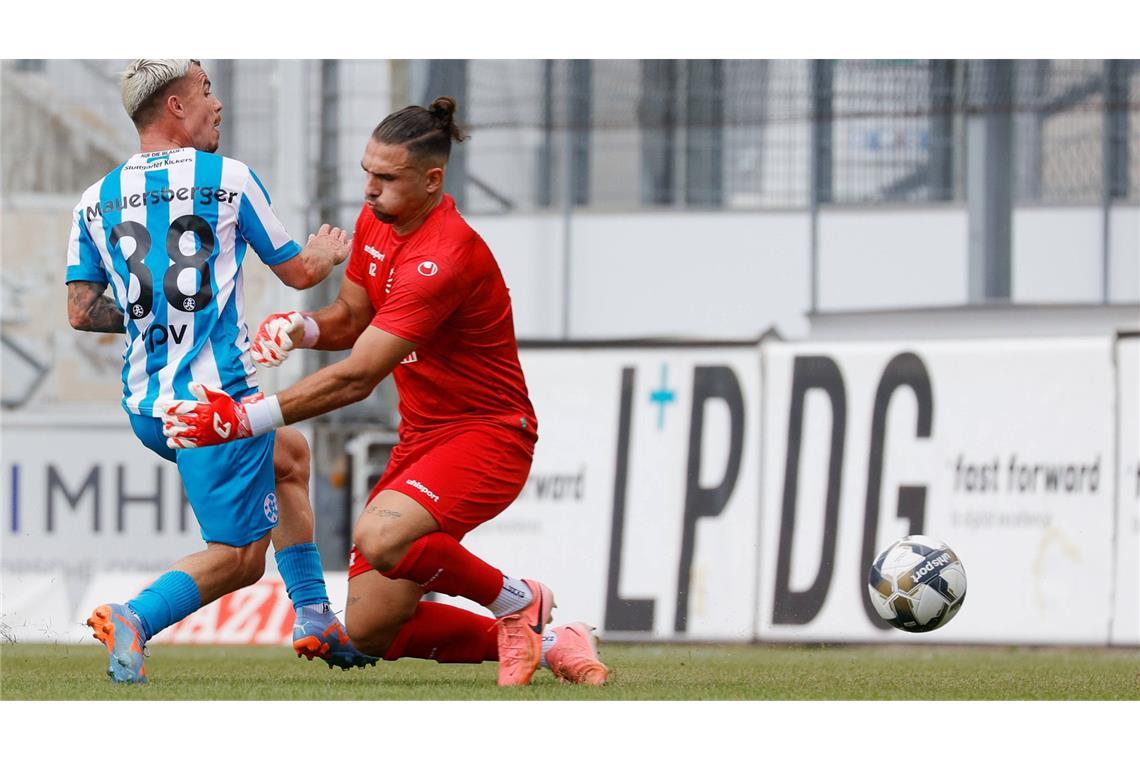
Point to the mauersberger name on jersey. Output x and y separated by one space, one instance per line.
205 195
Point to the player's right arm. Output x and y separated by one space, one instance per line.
297 267
216 418
343 321
336 327
87 307
325 250
90 310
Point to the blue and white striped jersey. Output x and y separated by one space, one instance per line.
169 230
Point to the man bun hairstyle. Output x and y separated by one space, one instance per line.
425 132
146 82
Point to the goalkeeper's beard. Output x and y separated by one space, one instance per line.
386 218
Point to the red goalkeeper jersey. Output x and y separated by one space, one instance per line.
441 288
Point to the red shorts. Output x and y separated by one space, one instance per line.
463 476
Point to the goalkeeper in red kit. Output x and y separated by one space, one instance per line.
424 300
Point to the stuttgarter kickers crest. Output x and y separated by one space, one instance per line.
270 506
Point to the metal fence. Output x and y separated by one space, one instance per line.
627 134
759 134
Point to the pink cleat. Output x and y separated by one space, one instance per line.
574 656
520 637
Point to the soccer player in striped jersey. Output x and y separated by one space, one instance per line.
422 299
168 231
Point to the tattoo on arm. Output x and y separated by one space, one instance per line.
376 509
353 600
90 310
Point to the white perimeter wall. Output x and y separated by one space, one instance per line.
731 275
1124 231
872 259
692 491
1058 258
735 274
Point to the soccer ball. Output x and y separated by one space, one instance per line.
917 584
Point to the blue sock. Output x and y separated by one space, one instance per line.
166 601
300 568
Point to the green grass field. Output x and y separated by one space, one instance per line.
642 672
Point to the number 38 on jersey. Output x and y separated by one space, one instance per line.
186 283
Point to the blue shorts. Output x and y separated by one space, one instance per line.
231 487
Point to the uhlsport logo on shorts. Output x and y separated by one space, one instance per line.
270 506
423 489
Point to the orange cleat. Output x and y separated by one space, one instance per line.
320 634
574 656
116 627
520 637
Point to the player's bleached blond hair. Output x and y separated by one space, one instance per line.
146 76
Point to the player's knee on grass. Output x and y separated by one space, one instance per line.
377 610
370 639
290 458
375 626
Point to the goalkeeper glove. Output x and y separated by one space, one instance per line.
275 337
216 418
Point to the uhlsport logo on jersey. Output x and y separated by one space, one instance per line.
270 506
422 489
427 268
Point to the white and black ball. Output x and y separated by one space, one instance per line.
917 584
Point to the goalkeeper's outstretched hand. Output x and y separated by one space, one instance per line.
214 418
280 333
276 337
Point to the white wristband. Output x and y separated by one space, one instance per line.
312 331
264 415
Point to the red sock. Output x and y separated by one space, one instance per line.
444 633
439 563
